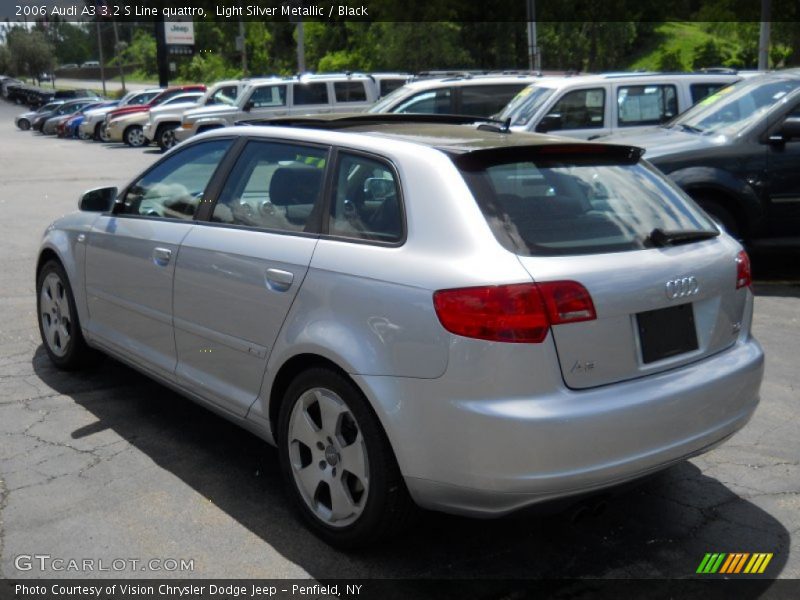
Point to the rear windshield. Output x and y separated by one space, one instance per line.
580 206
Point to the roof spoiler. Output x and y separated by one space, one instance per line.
588 153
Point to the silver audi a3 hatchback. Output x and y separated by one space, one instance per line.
417 313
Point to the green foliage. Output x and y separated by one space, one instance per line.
72 42
207 68
708 54
140 52
5 60
671 60
30 52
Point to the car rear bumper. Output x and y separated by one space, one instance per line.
466 450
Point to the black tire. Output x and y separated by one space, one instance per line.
165 137
97 132
74 353
388 508
133 136
722 215
24 124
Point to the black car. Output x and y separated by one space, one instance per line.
737 153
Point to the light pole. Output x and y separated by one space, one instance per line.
534 56
763 38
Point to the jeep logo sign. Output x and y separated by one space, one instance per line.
179 32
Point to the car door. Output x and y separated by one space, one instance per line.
350 96
266 101
439 101
783 181
639 106
237 275
581 113
310 97
131 254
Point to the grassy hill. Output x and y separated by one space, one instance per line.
681 37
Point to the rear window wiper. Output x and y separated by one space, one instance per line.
660 237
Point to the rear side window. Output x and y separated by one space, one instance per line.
387 86
432 102
580 109
646 104
350 91
366 205
273 186
268 95
702 90
577 206
486 100
310 93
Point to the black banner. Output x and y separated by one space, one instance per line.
388 10
286 589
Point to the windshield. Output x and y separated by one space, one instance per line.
733 108
556 207
49 107
525 104
389 100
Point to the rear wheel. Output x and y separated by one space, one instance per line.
58 319
721 214
337 462
24 124
134 136
104 137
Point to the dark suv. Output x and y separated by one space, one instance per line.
737 153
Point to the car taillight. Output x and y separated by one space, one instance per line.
518 313
744 276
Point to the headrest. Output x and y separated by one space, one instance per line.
295 185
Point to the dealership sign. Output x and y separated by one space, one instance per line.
179 32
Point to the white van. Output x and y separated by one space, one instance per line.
590 106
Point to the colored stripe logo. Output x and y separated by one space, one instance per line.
734 563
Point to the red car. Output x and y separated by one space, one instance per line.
164 95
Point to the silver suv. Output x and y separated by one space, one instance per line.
276 97
450 316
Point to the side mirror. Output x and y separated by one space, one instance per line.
790 128
551 122
98 199
248 106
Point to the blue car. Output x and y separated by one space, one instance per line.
72 126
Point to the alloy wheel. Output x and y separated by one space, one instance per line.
328 457
55 314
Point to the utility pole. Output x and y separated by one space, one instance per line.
534 56
162 60
243 40
100 56
118 49
301 50
763 38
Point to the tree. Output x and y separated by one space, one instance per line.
671 60
708 54
31 53
5 60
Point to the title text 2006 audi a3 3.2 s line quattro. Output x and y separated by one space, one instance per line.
416 313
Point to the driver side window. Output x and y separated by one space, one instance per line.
174 188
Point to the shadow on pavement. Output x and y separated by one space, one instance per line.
660 529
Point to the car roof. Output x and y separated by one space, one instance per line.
451 134
423 84
635 78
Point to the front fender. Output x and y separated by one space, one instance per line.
739 190
62 238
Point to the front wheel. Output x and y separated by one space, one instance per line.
24 124
166 138
134 136
58 319
337 462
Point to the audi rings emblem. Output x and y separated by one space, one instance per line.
682 288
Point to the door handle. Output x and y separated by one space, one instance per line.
279 280
162 256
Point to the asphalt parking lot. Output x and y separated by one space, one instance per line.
106 464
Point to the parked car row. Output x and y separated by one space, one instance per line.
734 153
